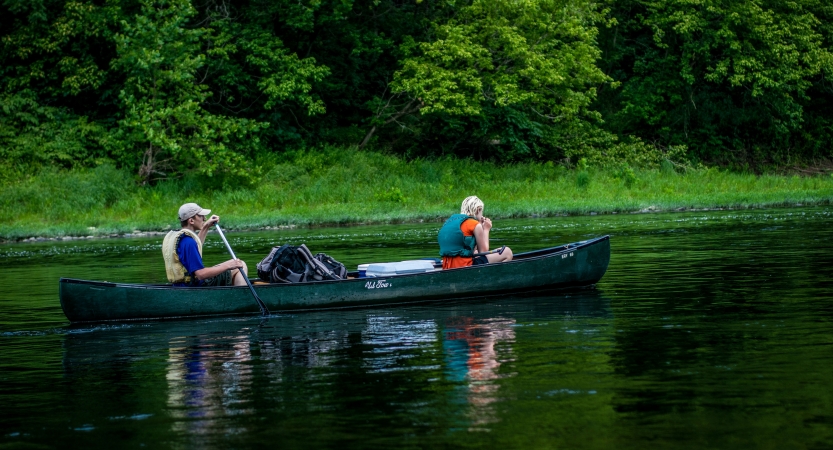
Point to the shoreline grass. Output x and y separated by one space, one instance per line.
340 186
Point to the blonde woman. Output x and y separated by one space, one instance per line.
465 235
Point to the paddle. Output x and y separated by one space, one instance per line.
260 303
499 251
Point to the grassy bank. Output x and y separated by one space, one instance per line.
341 186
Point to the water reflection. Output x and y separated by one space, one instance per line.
416 369
473 359
209 378
388 339
208 381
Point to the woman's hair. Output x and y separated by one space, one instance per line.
470 205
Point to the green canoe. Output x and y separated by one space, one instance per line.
573 265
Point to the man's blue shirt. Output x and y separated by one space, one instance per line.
189 255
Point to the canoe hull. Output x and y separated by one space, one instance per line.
570 266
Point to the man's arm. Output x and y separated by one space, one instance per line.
213 271
208 224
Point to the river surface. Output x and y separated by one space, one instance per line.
709 330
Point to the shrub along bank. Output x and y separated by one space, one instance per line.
348 186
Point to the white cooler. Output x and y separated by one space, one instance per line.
399 268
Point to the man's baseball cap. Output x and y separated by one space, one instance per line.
190 210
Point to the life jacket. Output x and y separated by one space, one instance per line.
452 240
177 273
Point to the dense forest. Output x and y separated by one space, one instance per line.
168 87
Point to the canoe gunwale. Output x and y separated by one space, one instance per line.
519 258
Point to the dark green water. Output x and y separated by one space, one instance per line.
710 330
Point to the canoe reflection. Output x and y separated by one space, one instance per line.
441 366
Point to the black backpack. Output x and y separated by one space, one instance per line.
332 265
295 264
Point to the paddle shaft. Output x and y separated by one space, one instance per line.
263 309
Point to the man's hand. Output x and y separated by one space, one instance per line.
211 221
487 224
232 264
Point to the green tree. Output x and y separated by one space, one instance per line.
254 75
164 122
728 79
53 58
359 42
508 75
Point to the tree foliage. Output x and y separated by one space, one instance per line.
162 99
172 87
731 80
507 73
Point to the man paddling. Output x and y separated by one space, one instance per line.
182 250
464 238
